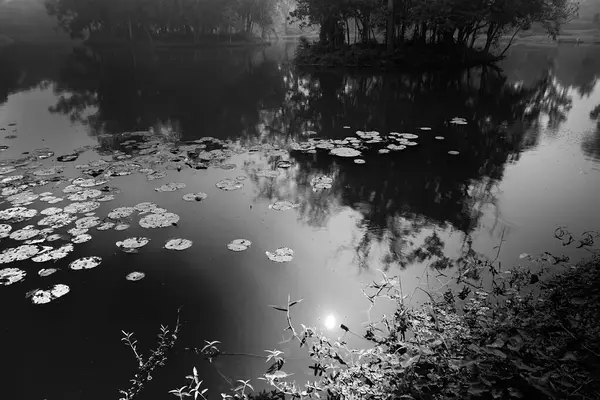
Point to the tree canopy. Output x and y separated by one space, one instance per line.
148 19
450 22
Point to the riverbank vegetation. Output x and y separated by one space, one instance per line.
399 31
531 333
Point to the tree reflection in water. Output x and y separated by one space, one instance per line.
399 201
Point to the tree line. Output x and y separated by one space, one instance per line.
156 19
446 22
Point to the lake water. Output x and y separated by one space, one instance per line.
528 162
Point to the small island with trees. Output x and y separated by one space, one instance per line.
411 33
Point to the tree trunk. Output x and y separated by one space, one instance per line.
390 27
490 37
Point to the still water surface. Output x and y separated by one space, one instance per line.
528 161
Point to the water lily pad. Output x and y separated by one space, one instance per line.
282 254
321 182
53 238
133 243
178 244
81 208
85 263
359 161
283 206
135 276
7 170
229 184
51 211
49 171
84 195
383 151
145 206
18 253
159 220
53 255
68 157
25 233
439 138
345 152
121 212
17 214
8 276
106 197
122 227
22 198
5 230
40 296
195 196
284 164
105 226
87 222
171 187
458 121
228 166
46 271
57 220
425 128
241 178
453 152
77 231
239 245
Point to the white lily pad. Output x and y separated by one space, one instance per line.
105 226
25 233
7 170
53 238
57 220
87 222
171 187
283 206
383 151
77 231
439 138
22 198
121 227
51 211
40 296
55 254
359 161
81 208
178 244
5 230
159 220
133 243
239 245
282 254
453 152
135 276
8 276
18 253
195 196
229 184
345 152
241 178
49 171
84 195
85 263
284 164
46 271
17 214
121 212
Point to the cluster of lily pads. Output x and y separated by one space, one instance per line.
67 205
355 146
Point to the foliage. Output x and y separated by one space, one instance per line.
453 23
159 19
513 341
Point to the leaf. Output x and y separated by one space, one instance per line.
409 362
293 303
278 308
